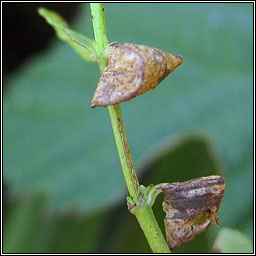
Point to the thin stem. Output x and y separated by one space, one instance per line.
130 176
152 232
143 213
99 26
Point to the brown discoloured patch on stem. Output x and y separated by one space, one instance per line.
128 155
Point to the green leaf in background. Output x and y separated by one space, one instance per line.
22 225
83 45
232 241
31 229
55 145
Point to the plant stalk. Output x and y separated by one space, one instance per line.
130 176
143 213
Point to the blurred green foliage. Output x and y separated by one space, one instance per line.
60 161
232 241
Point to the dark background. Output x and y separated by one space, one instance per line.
25 33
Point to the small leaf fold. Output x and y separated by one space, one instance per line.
82 44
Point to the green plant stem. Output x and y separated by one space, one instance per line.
130 176
115 111
99 26
151 229
143 213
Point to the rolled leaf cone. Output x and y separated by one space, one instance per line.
191 207
132 70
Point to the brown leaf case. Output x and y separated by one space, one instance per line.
132 70
191 207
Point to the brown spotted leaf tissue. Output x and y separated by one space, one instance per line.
191 207
132 70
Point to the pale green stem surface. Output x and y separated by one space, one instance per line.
143 213
150 227
130 176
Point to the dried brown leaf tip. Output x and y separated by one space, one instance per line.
132 70
191 207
